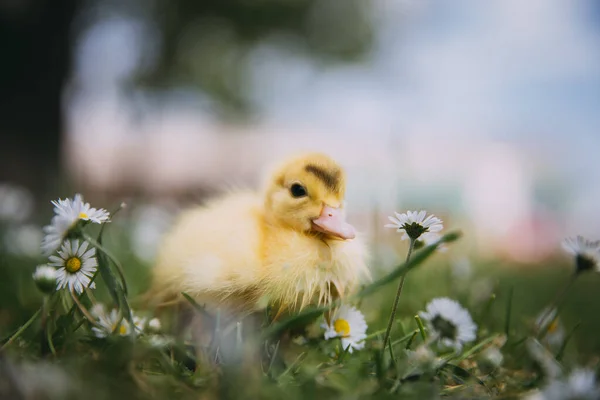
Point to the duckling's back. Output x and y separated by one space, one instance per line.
213 253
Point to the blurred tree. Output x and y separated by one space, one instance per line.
35 43
200 44
205 43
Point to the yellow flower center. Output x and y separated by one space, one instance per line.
83 215
122 330
553 326
73 265
342 327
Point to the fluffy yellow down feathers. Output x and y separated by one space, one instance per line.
288 245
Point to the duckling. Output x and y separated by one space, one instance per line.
288 245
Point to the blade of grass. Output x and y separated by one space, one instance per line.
410 340
22 329
343 353
98 244
508 312
421 327
297 361
117 292
392 356
459 373
303 317
406 337
108 277
272 360
200 309
379 367
476 348
563 347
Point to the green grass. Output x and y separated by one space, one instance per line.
290 359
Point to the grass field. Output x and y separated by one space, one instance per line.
56 354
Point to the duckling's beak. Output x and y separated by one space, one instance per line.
333 222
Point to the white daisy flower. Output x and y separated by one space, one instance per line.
490 359
154 325
548 321
109 322
76 265
160 341
421 357
449 322
55 234
414 224
45 278
586 252
579 385
139 323
67 213
546 360
582 384
349 324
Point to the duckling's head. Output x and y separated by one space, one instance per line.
307 194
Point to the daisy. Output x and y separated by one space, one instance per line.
414 224
76 265
449 322
586 252
160 341
579 385
67 213
45 278
109 323
544 358
548 321
421 357
139 323
349 324
55 234
154 325
490 359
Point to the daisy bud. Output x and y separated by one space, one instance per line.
154 325
421 357
160 341
490 359
45 278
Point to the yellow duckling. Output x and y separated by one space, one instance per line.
289 245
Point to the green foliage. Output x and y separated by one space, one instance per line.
289 358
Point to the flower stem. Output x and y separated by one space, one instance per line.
21 329
44 325
421 327
398 293
556 304
83 310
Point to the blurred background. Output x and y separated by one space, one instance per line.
485 113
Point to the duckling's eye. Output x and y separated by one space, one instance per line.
297 190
